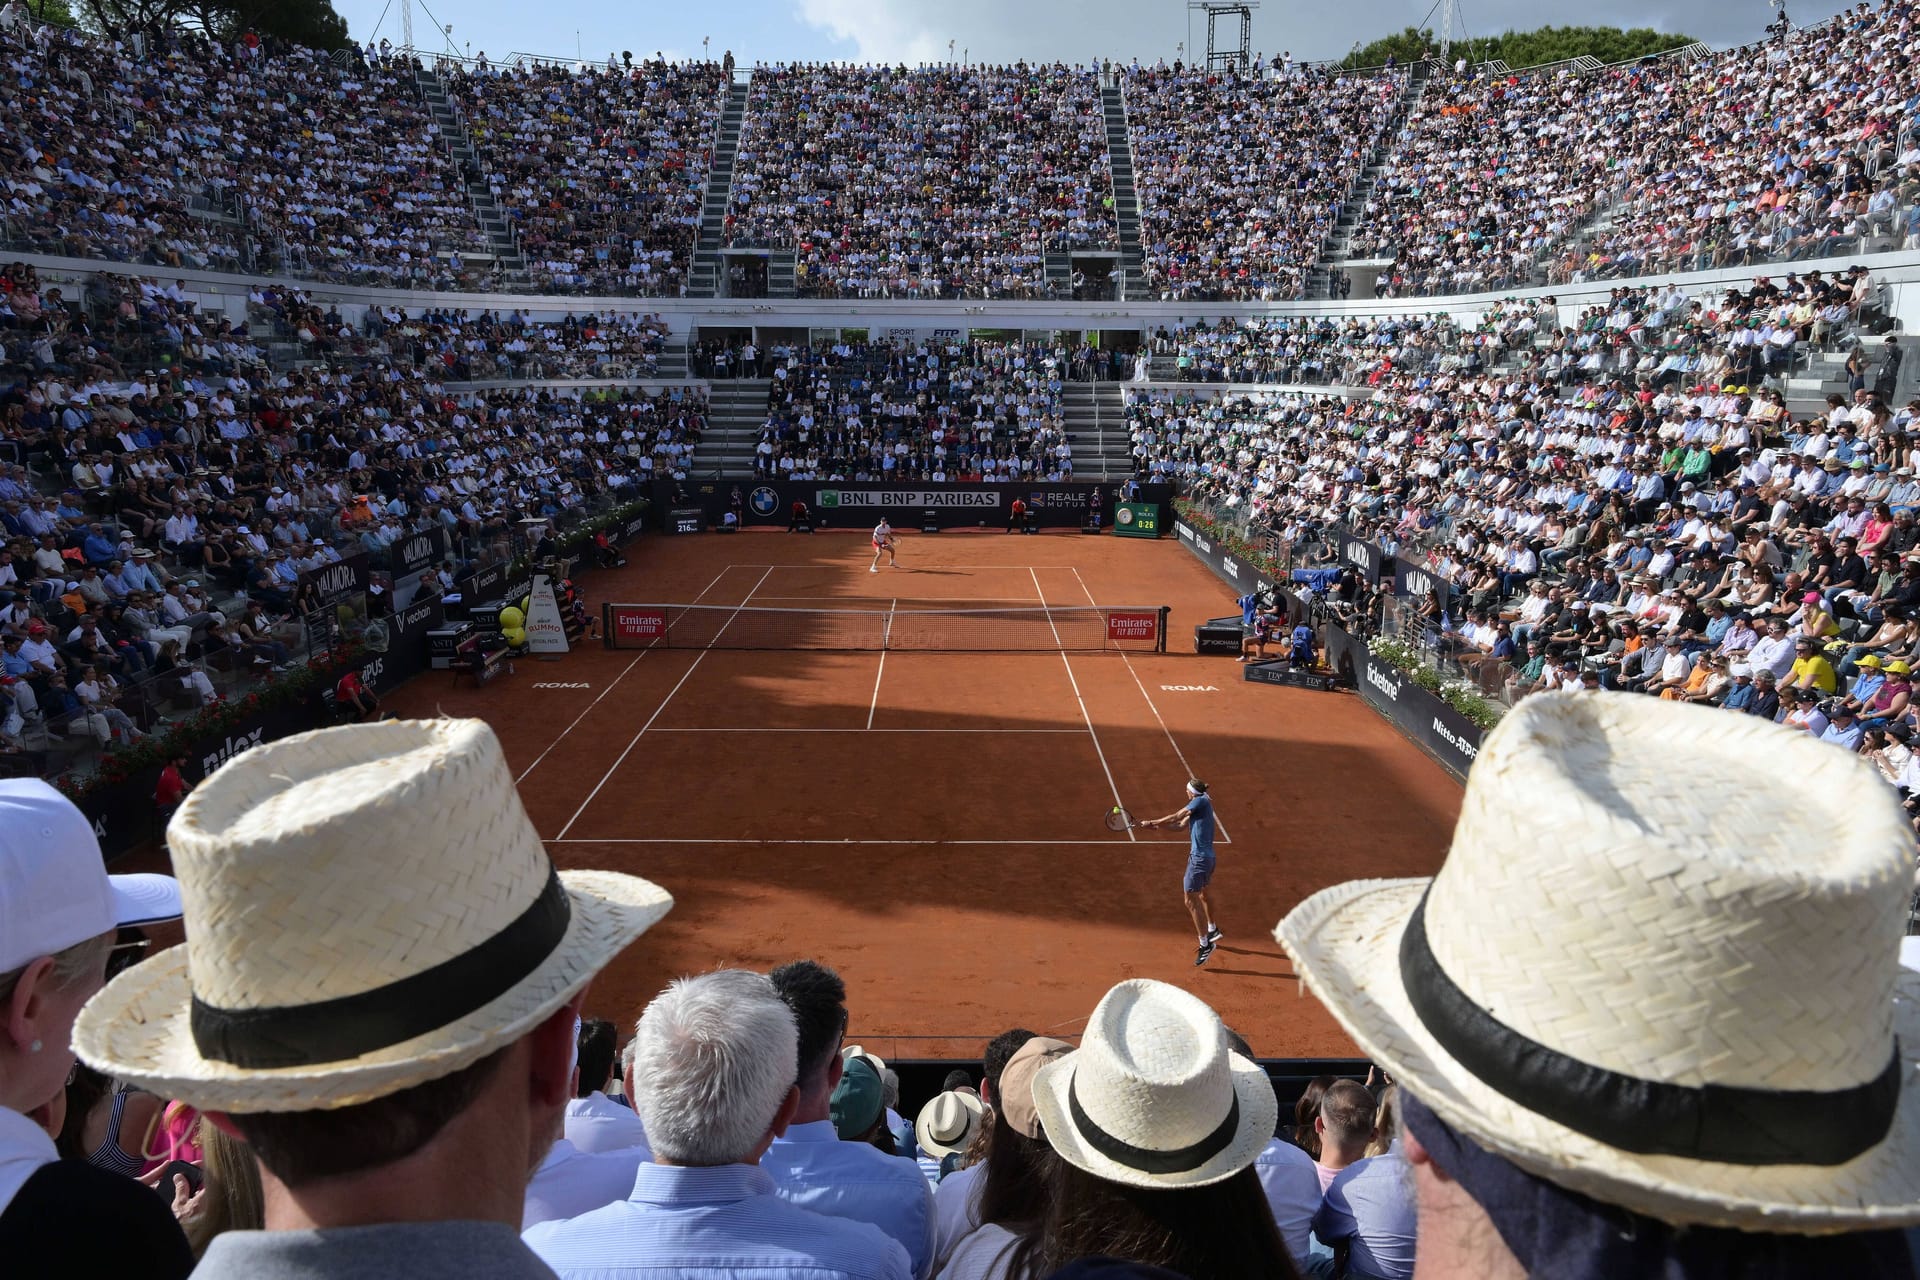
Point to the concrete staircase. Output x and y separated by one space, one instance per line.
736 410
782 278
703 281
1096 427
1336 250
1126 200
1059 274
493 222
1825 374
673 358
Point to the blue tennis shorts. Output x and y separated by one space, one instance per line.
1199 874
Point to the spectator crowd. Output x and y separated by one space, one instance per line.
916 410
167 493
938 182
1659 166
1241 173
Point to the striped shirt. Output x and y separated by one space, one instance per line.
718 1223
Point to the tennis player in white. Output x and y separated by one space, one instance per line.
883 541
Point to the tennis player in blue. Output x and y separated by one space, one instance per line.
1197 817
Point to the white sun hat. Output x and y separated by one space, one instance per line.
367 908
949 1123
1639 977
849 1052
55 892
1154 1097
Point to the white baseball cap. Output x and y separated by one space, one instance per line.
54 888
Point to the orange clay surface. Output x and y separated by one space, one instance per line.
930 824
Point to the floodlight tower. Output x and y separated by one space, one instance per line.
1449 15
1228 57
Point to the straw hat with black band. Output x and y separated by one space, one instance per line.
1154 1097
1637 979
367 908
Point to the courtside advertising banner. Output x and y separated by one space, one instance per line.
1359 554
1133 626
859 505
1412 582
1136 519
628 627
546 633
1436 728
919 499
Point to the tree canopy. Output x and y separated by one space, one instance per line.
1524 48
306 22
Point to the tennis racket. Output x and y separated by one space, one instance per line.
1119 819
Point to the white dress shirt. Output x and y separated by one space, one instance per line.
570 1182
598 1123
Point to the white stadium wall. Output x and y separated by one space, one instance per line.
216 291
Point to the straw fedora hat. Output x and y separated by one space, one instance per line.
1153 1097
1631 979
367 908
949 1122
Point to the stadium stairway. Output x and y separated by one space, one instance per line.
506 249
704 279
1336 250
736 409
1126 200
1097 429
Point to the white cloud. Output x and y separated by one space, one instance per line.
880 31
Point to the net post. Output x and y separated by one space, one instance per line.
1160 641
606 624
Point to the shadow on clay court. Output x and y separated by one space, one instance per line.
933 826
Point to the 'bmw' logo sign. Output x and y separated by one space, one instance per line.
764 501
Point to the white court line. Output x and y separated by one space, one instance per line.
773 840
877 599
881 670
1218 826
609 689
763 729
662 707
1098 750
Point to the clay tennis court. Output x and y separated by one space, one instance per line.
930 823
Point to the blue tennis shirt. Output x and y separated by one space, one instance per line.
1200 829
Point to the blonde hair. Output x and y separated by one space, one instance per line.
233 1200
1385 1124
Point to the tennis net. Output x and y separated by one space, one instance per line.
981 630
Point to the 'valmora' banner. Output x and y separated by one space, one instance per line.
1362 555
418 551
331 584
1411 581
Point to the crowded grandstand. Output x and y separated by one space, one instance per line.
1565 420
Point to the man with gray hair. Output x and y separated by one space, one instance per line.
716 1059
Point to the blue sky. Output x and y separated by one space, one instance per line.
1000 30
